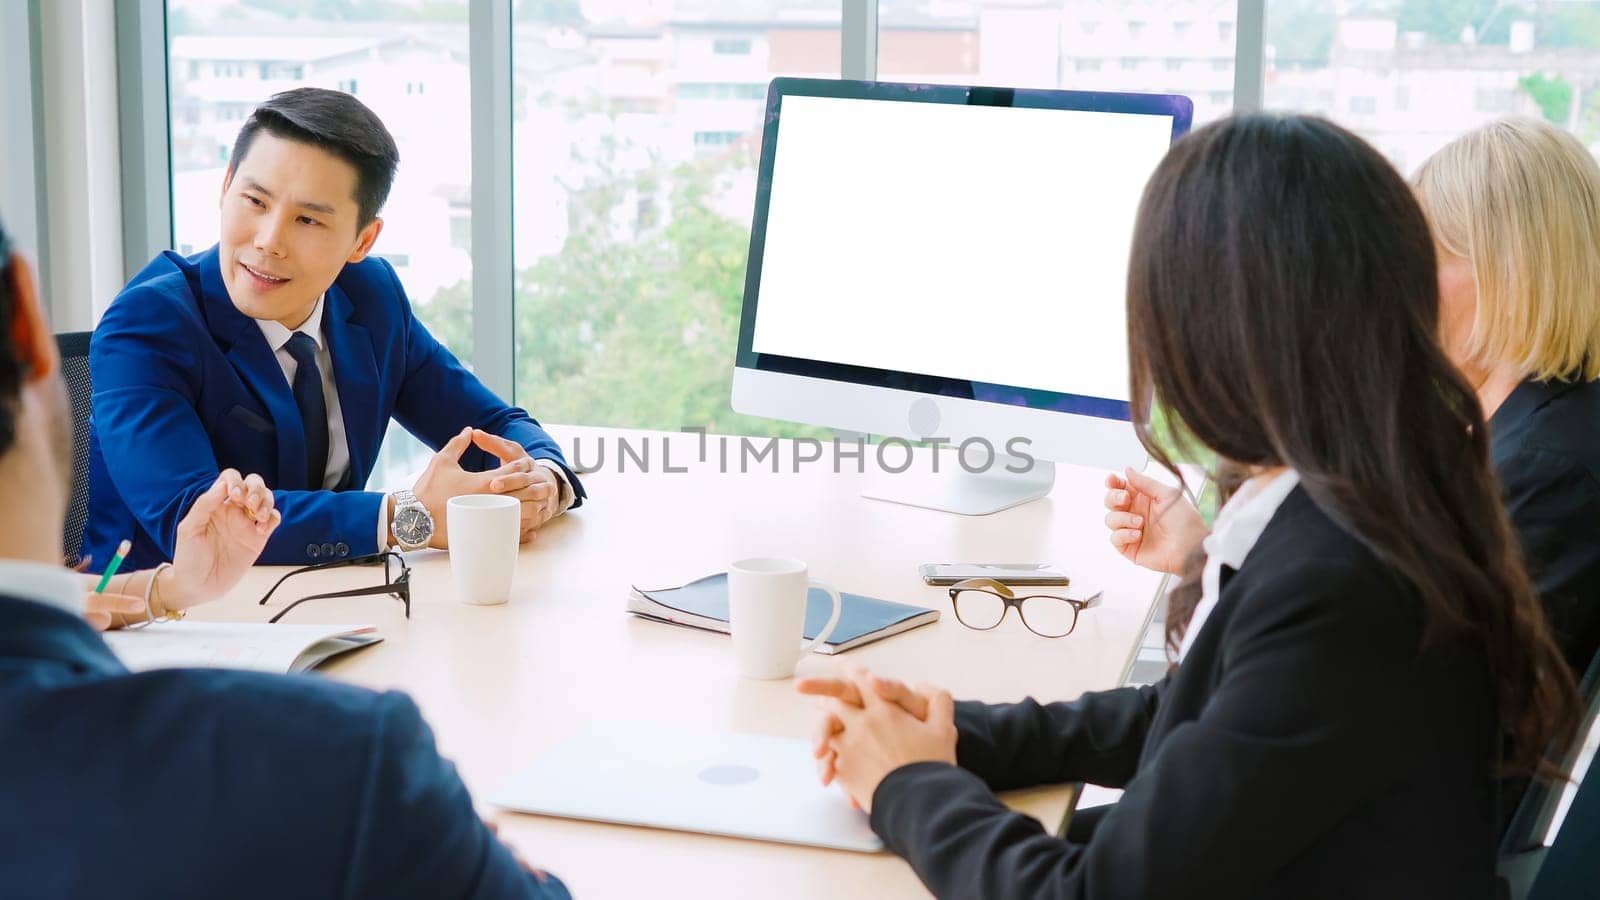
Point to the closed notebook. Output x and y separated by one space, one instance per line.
703 603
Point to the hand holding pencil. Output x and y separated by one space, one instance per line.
103 610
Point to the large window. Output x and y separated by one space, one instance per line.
1089 45
637 132
408 63
1410 75
635 136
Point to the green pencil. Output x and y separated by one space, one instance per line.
116 561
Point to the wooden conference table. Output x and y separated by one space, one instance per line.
500 685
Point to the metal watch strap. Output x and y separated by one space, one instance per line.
402 500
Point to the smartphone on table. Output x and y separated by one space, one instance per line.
1030 574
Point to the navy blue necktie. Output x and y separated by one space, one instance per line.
313 407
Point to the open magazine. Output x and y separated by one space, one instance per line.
236 645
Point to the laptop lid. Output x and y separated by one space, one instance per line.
685 779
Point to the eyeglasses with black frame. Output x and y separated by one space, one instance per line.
981 604
399 588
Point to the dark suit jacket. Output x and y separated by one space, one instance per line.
1303 749
182 783
1545 440
186 385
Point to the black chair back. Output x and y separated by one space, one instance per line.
1528 869
1571 867
74 348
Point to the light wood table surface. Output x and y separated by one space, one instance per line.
500 685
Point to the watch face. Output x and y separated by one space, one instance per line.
411 526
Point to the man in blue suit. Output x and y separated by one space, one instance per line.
285 350
184 783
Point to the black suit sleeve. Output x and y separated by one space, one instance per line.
1096 738
1554 504
1319 660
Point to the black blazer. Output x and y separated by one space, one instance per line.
1303 749
1545 440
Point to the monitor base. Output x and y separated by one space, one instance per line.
955 490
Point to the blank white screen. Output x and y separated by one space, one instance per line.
979 243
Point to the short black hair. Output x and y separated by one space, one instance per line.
337 123
10 363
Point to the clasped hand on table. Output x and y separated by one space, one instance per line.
536 487
871 726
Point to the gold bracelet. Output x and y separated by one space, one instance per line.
149 587
167 615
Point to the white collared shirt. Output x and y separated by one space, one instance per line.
278 339
55 586
338 445
1238 526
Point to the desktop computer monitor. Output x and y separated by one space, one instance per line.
944 262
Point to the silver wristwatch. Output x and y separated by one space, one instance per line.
411 524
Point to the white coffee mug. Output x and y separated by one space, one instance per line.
484 531
767 615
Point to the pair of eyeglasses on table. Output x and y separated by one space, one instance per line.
981 604
400 587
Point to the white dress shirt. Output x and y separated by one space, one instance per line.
55 586
278 339
1239 525
338 445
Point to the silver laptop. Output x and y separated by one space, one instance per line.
739 785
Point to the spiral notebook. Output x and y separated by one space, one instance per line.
703 603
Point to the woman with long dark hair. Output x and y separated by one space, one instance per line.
1359 653
1515 212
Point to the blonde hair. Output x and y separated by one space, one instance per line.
1520 199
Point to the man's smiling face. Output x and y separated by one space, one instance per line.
290 224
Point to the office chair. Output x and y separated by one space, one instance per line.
1569 867
74 347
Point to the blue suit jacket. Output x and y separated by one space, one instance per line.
207 783
185 385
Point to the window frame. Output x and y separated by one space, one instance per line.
146 156
23 194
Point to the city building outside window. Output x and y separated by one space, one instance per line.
1450 67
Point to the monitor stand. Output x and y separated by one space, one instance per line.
954 489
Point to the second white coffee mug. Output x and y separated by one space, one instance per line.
767 615
484 531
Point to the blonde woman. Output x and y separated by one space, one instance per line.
1515 211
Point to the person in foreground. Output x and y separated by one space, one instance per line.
1358 652
286 349
1515 211
184 783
